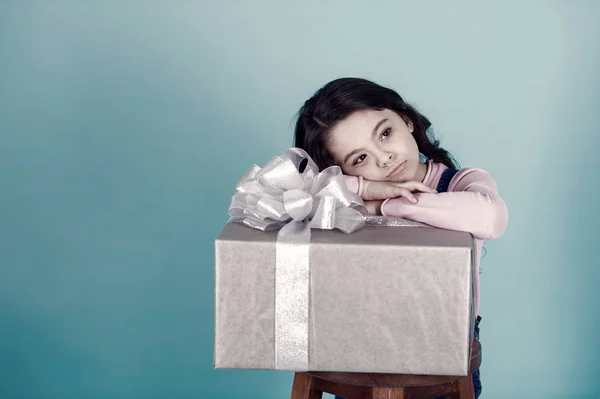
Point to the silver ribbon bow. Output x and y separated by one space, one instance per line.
280 196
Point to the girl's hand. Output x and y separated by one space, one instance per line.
381 190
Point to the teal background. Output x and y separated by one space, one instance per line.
124 127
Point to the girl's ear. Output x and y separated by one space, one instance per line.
411 126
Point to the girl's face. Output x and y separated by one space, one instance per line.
377 145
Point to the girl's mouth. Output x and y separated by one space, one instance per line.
396 170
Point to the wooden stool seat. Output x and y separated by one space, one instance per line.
312 385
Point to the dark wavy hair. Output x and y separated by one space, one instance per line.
340 98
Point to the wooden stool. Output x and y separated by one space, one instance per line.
311 385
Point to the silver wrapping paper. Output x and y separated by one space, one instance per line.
382 299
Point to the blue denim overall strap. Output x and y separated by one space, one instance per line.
445 180
442 187
476 375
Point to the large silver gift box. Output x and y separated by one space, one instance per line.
381 299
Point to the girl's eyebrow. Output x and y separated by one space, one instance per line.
373 134
349 155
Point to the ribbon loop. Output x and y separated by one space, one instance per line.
349 220
271 208
325 214
298 204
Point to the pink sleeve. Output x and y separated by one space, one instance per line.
351 183
471 204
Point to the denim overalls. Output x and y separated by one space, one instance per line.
442 187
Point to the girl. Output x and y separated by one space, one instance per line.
389 158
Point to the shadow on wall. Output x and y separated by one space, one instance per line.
579 220
581 225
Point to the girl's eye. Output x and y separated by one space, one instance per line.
359 159
386 132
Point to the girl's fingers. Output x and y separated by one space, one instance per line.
423 187
403 192
418 186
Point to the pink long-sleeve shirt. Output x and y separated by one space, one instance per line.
471 204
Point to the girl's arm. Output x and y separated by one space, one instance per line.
471 204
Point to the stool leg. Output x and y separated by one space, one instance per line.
303 387
465 389
387 393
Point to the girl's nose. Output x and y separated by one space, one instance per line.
385 160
